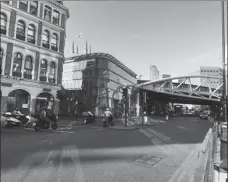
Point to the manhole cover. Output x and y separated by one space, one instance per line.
148 160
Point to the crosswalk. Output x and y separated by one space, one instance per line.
59 166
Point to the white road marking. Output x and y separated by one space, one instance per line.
72 170
63 131
146 133
163 137
183 128
22 171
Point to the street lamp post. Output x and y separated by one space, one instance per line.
224 56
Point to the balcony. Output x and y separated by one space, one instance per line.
43 78
16 74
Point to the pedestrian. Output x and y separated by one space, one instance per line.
75 113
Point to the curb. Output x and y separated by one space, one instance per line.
123 128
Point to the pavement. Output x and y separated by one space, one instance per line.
90 153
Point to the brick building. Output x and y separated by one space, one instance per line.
31 53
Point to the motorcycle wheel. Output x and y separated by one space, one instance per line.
54 126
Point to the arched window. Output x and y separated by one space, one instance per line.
23 5
43 70
56 16
54 42
28 67
3 24
45 39
1 57
47 13
31 34
51 76
20 34
17 62
33 7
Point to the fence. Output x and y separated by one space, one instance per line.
211 149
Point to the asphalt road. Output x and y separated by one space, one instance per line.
89 153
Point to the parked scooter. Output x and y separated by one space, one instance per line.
16 120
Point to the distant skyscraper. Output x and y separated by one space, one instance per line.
154 73
212 71
165 76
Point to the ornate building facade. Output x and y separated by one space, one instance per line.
32 54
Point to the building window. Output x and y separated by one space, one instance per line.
17 65
33 7
56 16
47 13
31 34
28 68
3 24
23 5
1 57
43 70
54 42
45 39
20 34
6 2
51 76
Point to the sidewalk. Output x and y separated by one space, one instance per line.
150 121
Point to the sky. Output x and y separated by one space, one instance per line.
178 37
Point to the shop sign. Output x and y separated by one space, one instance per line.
46 90
6 84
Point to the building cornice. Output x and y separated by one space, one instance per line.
60 6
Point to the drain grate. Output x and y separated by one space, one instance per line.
148 160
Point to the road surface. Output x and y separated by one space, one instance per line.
89 153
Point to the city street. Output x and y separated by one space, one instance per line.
93 154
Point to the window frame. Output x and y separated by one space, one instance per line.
55 19
54 46
37 7
28 71
20 35
46 44
47 9
17 73
31 39
22 2
3 29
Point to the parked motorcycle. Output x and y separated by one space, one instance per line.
42 124
16 120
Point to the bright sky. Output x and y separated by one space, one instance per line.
177 37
